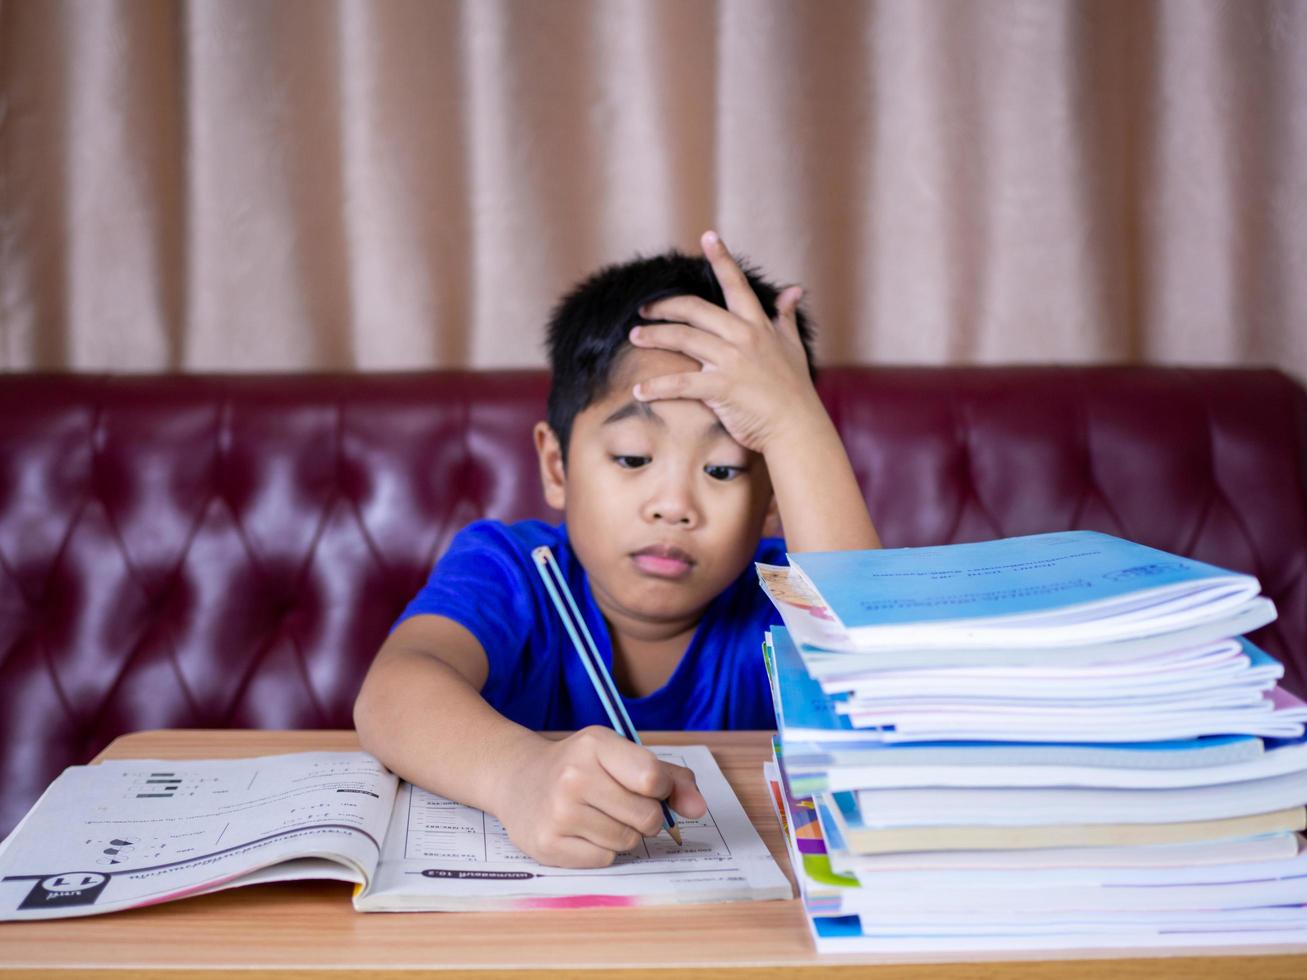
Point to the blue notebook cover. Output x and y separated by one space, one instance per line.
1006 577
801 704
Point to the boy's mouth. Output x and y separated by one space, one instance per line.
663 561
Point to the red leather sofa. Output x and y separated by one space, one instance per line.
207 551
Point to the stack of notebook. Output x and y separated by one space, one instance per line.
1055 741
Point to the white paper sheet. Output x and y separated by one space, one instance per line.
128 833
440 854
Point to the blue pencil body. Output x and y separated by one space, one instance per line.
561 596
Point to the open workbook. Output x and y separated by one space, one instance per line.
124 834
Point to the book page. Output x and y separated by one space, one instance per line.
441 855
127 833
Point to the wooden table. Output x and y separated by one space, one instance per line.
311 929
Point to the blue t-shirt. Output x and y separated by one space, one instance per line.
487 582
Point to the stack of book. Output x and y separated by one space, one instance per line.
1054 741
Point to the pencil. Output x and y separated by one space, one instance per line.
561 596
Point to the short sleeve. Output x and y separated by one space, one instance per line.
480 583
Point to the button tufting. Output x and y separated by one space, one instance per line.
192 551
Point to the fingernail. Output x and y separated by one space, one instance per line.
644 311
635 333
710 238
638 392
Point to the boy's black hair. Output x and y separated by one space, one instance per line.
589 327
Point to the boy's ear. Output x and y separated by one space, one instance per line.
552 475
771 524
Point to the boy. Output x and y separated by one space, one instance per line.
681 419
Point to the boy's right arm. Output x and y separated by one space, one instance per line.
574 802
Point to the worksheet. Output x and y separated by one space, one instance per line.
443 855
124 834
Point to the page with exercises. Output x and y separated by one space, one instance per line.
443 855
127 833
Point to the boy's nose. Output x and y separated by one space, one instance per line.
672 505
672 516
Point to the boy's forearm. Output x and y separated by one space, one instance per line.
817 493
428 725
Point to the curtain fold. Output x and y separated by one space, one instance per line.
306 185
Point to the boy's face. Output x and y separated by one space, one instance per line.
663 508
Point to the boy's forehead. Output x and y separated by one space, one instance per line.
636 364
633 366
618 404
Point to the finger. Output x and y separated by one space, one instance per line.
684 339
575 852
685 799
697 312
740 298
603 831
698 385
787 310
633 766
629 811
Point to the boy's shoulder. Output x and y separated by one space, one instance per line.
771 551
516 534
508 542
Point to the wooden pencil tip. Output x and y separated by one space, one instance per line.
676 835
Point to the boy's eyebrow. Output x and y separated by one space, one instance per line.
633 408
645 411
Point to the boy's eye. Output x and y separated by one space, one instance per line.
718 472
631 462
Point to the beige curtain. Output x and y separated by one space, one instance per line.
317 185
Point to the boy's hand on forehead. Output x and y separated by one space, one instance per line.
754 373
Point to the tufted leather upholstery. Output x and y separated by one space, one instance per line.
229 551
